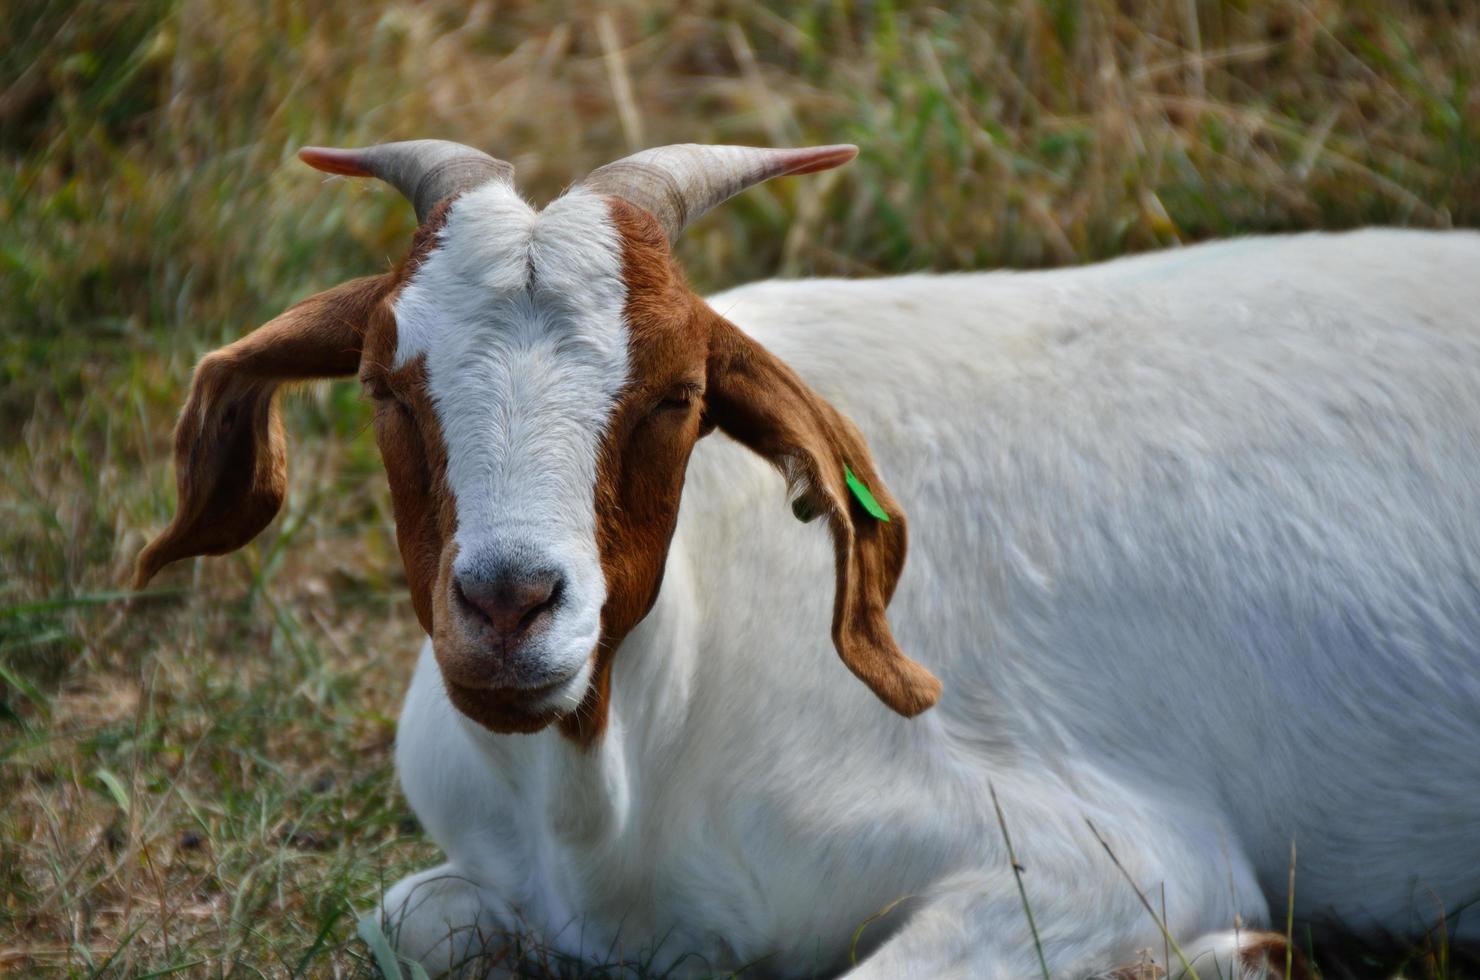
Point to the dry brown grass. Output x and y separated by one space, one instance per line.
200 781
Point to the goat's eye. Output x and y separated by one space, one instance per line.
383 396
377 390
677 400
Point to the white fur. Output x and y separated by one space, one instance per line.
1195 549
519 317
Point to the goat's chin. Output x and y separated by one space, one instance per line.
511 711
500 717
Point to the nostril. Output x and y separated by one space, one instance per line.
465 602
510 605
541 599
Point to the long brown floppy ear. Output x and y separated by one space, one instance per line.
762 403
231 463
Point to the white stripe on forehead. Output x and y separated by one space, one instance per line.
520 317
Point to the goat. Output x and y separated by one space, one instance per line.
1195 577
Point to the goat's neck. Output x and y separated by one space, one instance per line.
592 789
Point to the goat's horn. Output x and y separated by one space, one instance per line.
428 172
678 183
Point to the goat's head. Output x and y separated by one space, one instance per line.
539 381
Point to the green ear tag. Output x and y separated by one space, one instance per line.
864 496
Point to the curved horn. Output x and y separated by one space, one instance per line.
678 183
427 172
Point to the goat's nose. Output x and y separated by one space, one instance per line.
510 603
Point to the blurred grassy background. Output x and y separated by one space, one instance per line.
201 781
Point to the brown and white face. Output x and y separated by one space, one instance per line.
539 381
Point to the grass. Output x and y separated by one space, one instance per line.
198 780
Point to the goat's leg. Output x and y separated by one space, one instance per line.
1089 918
937 941
442 920
1240 954
947 935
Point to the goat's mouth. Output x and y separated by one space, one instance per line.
519 709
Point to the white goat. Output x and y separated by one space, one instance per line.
1196 560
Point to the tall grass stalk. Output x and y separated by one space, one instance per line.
1017 874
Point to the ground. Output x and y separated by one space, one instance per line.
197 779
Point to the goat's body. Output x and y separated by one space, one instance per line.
1195 550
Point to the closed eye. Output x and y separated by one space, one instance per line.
679 398
383 395
375 387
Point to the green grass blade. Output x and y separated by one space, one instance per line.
115 788
1017 873
371 934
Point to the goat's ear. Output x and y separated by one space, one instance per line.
231 463
762 403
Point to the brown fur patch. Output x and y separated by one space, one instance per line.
680 349
231 463
423 242
415 459
645 454
1261 954
1146 969
409 435
1266 951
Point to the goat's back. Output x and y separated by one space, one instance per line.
1208 520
